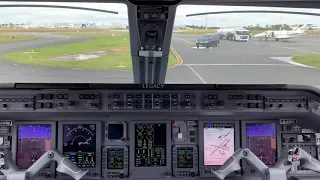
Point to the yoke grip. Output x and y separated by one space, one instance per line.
233 164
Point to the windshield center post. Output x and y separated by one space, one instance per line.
150 37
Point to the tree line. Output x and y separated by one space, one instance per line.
12 24
251 27
201 27
271 27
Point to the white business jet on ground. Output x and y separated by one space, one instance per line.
285 35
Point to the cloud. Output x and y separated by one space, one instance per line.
51 15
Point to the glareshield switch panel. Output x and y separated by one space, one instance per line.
157 100
155 12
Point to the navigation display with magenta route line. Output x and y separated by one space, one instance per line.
218 143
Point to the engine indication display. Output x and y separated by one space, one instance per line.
218 143
115 158
185 157
261 140
150 145
33 142
79 144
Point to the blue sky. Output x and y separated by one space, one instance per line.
46 15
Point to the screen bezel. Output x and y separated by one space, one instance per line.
202 167
234 137
176 171
134 147
80 125
123 151
98 140
18 126
117 141
15 138
278 133
159 171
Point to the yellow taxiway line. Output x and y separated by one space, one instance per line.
177 56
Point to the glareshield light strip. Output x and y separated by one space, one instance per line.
254 11
56 6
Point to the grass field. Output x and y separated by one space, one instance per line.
94 33
12 38
310 60
53 30
69 31
109 61
313 32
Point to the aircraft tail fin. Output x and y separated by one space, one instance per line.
304 28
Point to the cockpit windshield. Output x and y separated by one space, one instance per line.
90 43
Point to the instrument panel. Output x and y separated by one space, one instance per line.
133 134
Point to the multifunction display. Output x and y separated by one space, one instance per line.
218 143
115 158
79 144
185 157
150 145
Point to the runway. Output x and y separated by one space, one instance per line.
231 62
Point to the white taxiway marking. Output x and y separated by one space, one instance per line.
183 40
202 47
201 79
36 42
237 65
284 47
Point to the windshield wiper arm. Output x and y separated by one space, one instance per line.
254 11
57 6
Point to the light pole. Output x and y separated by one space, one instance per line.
281 20
207 20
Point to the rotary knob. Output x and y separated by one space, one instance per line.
121 175
70 103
